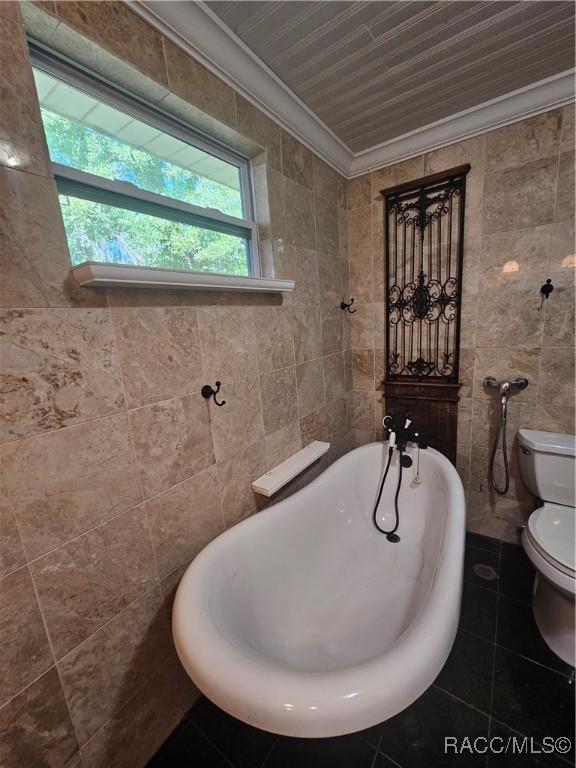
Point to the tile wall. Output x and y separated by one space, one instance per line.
520 213
114 470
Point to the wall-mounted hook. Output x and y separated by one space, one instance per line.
547 288
346 307
207 392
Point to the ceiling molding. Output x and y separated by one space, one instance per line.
555 91
194 27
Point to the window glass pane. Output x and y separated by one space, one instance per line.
92 136
99 232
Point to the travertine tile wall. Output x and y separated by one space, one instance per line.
115 471
520 209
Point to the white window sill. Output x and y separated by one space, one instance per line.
93 274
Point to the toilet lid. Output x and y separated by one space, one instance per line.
552 529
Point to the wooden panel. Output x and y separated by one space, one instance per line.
433 407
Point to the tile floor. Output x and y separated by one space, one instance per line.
500 680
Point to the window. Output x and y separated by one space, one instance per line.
136 186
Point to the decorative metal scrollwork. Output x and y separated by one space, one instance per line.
424 228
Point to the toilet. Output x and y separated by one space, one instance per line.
548 466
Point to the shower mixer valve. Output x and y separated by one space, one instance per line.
506 386
402 432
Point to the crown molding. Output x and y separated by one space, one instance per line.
555 91
198 30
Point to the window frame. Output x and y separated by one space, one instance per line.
88 186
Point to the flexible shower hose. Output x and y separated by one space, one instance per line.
501 432
391 535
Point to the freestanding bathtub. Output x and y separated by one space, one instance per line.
305 621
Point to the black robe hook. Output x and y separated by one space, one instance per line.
547 288
207 392
346 307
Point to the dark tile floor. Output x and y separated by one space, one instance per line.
500 680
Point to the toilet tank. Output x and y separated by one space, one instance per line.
548 465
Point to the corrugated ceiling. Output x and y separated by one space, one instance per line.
373 71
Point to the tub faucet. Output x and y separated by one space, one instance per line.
402 431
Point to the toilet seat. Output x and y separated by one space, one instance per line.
549 543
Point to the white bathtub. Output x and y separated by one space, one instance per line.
304 620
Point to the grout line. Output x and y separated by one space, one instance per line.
195 725
461 701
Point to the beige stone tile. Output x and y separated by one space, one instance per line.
87 581
334 377
359 192
520 197
256 125
159 349
378 269
360 245
568 113
229 343
361 325
331 269
315 426
363 369
11 552
379 369
269 203
301 265
184 519
235 478
557 376
283 443
310 381
565 188
100 675
327 182
337 418
362 437
559 318
297 160
466 372
35 727
347 370
240 421
307 333
514 319
486 416
172 441
326 217
396 174
464 420
362 410
333 327
511 260
274 337
554 418
122 32
507 362
279 399
34 258
10 9
480 459
463 463
64 483
21 135
59 368
298 215
24 650
169 586
496 516
523 142
140 727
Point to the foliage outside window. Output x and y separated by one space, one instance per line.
132 193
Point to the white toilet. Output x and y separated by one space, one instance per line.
548 467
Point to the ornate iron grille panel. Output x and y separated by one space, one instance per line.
424 246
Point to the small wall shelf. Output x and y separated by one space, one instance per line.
96 274
271 482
